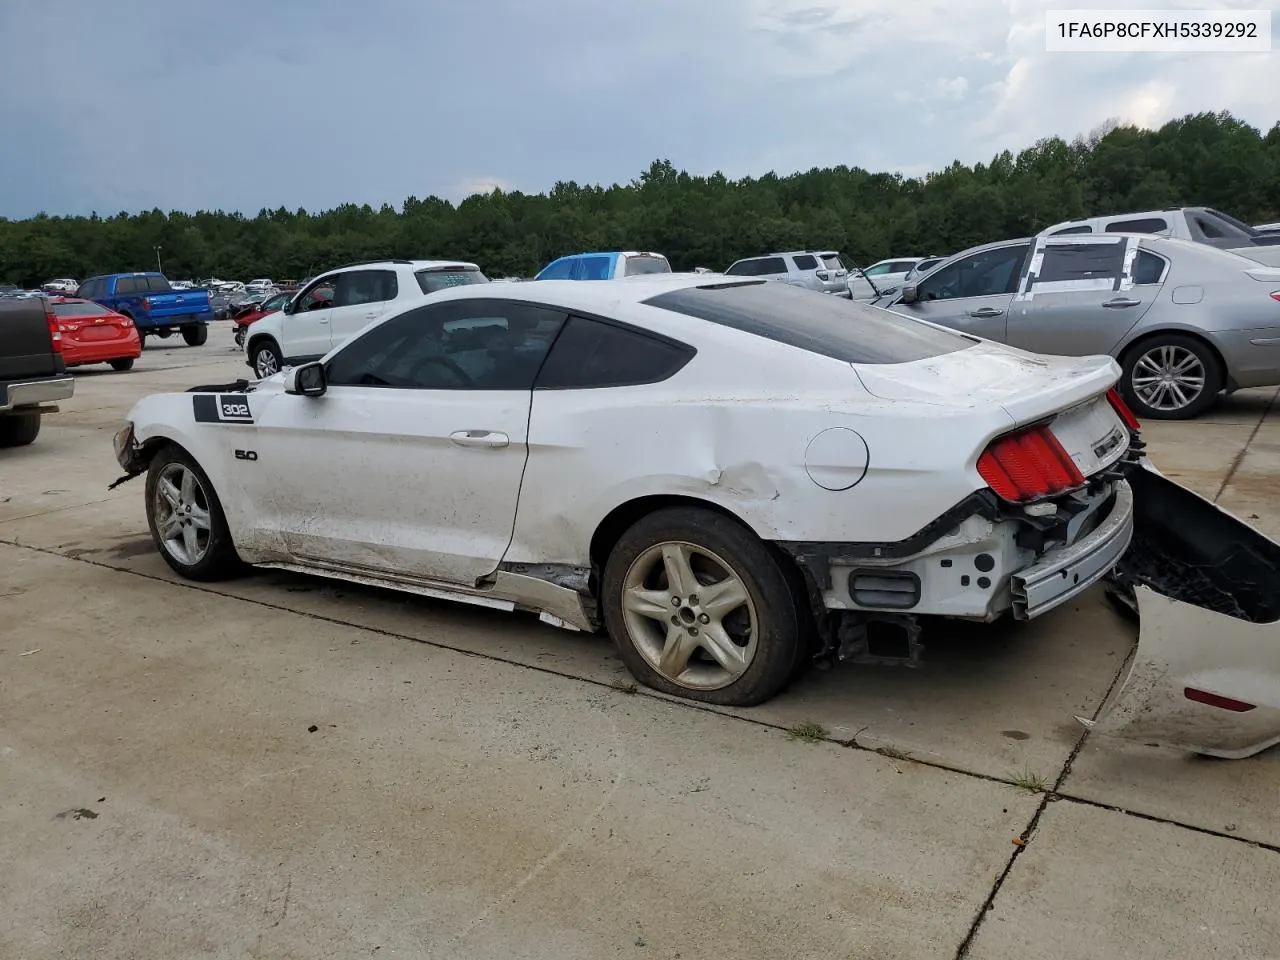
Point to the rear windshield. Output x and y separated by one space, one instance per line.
431 280
757 267
635 266
158 285
78 310
832 261
831 326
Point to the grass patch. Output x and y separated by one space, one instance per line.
1030 781
808 732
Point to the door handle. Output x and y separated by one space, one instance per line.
1120 302
479 438
984 312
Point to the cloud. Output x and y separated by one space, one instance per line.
299 103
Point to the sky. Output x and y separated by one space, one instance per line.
244 104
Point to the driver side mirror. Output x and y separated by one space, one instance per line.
288 308
910 294
307 380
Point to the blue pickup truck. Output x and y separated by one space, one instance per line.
154 307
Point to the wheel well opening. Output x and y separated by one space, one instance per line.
615 524
1190 335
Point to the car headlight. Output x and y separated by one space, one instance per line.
123 442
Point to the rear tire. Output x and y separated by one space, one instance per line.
196 335
735 606
1195 377
186 519
121 363
18 430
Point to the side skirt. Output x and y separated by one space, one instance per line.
555 605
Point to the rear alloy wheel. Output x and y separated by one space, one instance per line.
1171 377
121 363
196 334
18 430
186 518
266 359
700 608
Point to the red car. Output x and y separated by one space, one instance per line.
93 334
271 305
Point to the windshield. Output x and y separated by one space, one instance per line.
833 327
79 310
646 264
433 279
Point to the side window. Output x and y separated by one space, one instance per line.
129 285
592 268
805 262
157 285
1207 227
559 270
1147 225
1148 268
1082 261
89 291
356 287
591 354
1083 228
459 345
985 274
318 296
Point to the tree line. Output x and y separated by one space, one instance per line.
697 221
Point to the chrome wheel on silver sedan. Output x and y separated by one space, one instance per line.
1171 377
700 607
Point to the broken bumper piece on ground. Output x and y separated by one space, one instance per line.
1206 586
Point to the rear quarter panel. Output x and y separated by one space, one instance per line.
706 434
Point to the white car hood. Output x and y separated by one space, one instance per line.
1027 386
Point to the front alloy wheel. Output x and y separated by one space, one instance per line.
182 518
266 361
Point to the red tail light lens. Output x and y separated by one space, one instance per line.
1275 294
1122 410
146 303
1028 465
55 328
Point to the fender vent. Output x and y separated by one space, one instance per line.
891 589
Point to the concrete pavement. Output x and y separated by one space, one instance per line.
479 785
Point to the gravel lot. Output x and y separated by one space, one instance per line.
286 767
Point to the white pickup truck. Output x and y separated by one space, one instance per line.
1199 224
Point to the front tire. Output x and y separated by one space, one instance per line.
186 519
18 430
266 359
700 608
1171 377
196 335
121 363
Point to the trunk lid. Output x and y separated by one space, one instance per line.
1071 391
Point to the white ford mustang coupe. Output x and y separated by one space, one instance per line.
731 477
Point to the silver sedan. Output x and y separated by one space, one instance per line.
1185 321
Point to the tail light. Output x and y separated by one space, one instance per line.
823 275
1275 294
1028 465
1122 410
146 303
55 327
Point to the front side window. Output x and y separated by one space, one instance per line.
458 345
591 353
559 270
318 296
845 330
432 279
984 274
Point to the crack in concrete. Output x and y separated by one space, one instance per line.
1238 459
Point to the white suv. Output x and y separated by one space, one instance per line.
339 303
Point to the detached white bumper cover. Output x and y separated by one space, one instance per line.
1064 572
1206 586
